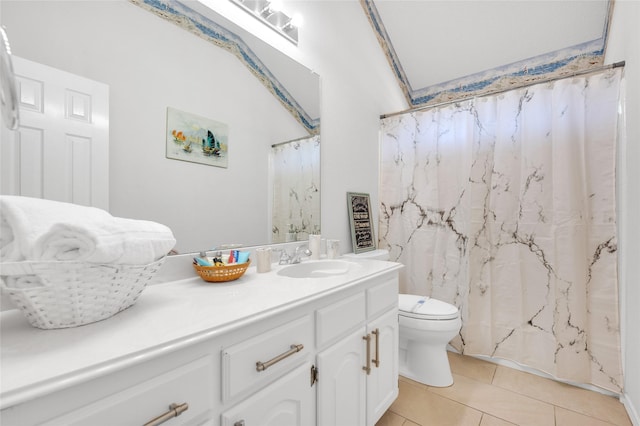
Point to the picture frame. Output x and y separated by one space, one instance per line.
361 222
196 139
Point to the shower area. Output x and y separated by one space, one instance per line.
505 206
295 176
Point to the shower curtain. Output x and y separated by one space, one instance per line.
295 173
505 207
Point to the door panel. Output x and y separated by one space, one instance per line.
61 149
382 383
342 382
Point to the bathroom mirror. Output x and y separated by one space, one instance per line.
153 60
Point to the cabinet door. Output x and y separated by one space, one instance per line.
342 382
382 383
289 401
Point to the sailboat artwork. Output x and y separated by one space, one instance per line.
211 145
196 139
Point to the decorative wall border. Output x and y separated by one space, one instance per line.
178 13
566 61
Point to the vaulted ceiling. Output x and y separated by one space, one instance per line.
439 50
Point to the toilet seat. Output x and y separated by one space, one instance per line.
425 308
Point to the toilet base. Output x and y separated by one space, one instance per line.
426 364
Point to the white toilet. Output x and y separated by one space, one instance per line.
426 327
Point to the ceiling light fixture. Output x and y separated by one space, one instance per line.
271 14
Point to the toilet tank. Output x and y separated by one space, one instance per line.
378 254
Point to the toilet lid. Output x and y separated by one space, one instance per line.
423 307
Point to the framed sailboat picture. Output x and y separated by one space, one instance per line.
361 221
196 139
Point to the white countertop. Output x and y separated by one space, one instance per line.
167 316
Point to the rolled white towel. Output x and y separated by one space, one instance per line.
30 218
52 230
119 240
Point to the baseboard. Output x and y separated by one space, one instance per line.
631 410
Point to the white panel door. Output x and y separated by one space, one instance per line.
382 383
61 149
342 383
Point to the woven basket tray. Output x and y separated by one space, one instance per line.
217 274
69 294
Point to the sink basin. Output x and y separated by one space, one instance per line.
317 269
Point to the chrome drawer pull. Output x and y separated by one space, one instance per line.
367 368
376 361
174 411
261 366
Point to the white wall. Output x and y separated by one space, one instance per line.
624 44
149 65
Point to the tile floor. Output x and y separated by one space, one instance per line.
486 394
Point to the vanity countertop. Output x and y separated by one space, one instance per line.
167 316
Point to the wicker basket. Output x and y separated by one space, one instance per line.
69 294
224 273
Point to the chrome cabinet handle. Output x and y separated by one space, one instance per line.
174 411
367 368
376 360
261 366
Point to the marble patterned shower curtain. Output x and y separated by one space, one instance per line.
295 169
505 206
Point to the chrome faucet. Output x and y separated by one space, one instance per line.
297 255
287 259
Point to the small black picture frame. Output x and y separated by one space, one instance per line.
361 221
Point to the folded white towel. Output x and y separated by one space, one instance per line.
52 230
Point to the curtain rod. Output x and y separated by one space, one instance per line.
292 141
425 107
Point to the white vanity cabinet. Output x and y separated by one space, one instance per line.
289 401
179 396
178 388
382 382
277 364
258 353
358 374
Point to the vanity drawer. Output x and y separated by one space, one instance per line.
256 362
339 318
189 386
382 297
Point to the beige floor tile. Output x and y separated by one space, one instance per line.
498 402
390 419
412 382
472 368
409 423
576 399
426 408
488 420
566 417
